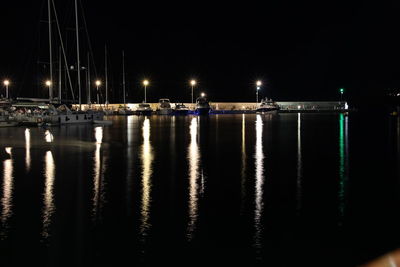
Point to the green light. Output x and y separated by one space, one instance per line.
341 90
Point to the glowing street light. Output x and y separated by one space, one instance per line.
6 84
48 84
203 94
98 83
193 83
341 90
258 83
145 83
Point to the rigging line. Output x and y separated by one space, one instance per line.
63 50
88 38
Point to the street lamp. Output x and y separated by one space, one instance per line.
98 83
6 84
192 83
258 83
145 83
341 90
203 94
48 84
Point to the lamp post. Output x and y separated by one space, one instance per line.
341 90
98 83
258 83
192 83
145 83
48 84
6 84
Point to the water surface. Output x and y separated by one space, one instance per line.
277 190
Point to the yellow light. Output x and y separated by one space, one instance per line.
258 83
6 82
145 82
203 94
98 83
48 83
193 82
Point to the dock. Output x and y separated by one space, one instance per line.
244 107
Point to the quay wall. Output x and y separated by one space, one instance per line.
286 105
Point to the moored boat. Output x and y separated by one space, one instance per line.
144 109
39 113
164 107
125 111
202 106
181 109
267 105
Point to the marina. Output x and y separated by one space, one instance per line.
203 134
41 113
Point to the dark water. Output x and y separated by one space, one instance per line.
271 190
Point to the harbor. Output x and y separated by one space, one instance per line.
135 133
42 113
238 107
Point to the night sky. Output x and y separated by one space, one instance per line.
301 50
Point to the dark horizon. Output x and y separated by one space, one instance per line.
302 51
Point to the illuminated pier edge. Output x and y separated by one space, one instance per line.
285 106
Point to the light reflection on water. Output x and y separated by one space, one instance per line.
259 183
194 160
147 160
244 159
98 173
28 149
398 144
49 206
131 122
8 186
299 164
343 164
48 136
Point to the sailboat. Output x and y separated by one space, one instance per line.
51 111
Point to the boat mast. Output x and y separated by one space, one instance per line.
105 52
51 54
89 100
63 52
77 53
59 76
123 76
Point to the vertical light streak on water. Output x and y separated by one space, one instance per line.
6 200
147 160
98 132
299 164
398 145
203 180
28 149
194 158
343 164
48 205
48 136
259 176
244 158
129 164
172 131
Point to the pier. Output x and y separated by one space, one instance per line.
243 107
